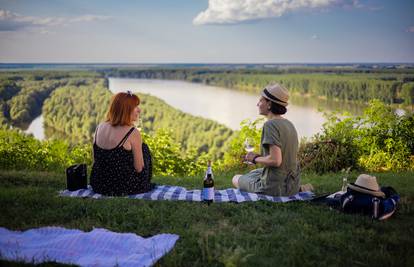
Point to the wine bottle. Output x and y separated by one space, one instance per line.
208 185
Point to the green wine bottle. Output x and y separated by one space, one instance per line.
208 185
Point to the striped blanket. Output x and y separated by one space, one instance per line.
97 248
168 192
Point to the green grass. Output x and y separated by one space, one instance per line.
225 234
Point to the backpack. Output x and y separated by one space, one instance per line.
379 208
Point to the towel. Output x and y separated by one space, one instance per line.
99 247
168 192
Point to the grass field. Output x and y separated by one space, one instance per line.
225 234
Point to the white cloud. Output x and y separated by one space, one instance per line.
410 29
89 18
235 11
315 37
10 21
356 4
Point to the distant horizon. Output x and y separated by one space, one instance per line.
203 63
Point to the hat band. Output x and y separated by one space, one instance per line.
272 97
365 188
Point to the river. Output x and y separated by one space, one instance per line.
223 105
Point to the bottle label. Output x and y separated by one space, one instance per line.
208 193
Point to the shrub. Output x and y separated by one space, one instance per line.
235 152
378 140
326 156
385 139
168 158
21 151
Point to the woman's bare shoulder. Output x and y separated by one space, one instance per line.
136 135
102 125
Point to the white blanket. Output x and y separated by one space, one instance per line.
100 247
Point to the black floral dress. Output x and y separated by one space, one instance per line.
113 171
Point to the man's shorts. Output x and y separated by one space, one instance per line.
251 182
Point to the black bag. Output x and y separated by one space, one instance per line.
76 177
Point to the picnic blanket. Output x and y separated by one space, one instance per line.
168 192
99 247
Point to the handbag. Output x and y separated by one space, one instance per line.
76 177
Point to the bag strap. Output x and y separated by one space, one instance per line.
345 201
375 206
125 137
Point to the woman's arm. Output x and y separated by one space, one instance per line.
136 144
94 140
274 159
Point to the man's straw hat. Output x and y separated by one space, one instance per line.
367 184
276 93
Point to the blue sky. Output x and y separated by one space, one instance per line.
206 31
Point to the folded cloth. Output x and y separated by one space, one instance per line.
168 192
100 247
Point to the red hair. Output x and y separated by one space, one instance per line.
120 109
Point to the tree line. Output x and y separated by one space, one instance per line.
22 93
389 86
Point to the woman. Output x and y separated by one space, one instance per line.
279 146
122 163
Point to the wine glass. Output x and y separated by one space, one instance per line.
139 123
248 146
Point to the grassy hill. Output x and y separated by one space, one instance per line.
225 234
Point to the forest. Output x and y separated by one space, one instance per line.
73 103
22 93
74 112
343 84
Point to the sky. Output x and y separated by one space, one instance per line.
206 31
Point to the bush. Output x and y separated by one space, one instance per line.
168 160
235 152
332 150
326 156
379 140
19 151
385 139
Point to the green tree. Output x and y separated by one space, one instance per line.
407 93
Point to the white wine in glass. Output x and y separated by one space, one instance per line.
248 146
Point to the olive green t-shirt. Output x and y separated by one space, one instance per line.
282 180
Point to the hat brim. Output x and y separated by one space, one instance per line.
275 101
366 190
